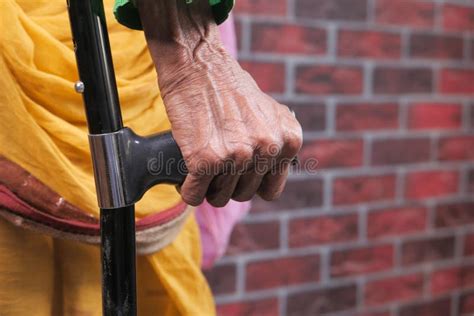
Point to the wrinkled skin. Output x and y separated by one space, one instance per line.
219 116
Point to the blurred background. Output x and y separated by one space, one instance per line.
384 90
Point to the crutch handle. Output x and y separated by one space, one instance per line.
127 165
163 158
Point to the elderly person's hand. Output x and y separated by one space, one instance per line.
236 141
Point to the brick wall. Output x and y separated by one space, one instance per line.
384 90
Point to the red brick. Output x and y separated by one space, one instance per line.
400 151
322 230
436 46
312 117
297 194
266 307
281 272
466 304
222 279
333 153
261 7
438 122
435 116
454 214
472 50
456 148
320 302
322 79
346 10
394 289
238 34
457 81
469 245
371 44
471 107
392 80
405 13
395 222
449 279
387 313
470 181
441 307
433 183
471 55
269 76
251 237
363 189
362 117
427 250
458 18
267 37
361 261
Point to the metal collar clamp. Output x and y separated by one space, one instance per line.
127 165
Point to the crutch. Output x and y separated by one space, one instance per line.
121 159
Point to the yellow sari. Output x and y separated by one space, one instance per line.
43 130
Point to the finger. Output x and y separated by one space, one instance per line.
194 188
251 180
247 186
265 159
221 189
274 182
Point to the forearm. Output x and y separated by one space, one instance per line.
178 33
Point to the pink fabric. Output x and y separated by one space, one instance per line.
228 37
216 224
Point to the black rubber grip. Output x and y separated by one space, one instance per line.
148 161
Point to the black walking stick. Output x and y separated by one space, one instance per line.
121 159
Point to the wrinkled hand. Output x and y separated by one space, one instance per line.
232 135
236 141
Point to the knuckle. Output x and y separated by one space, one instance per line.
270 146
292 144
242 151
241 155
204 163
215 158
195 160
266 140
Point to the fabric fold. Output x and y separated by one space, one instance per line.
43 131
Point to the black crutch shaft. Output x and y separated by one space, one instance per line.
102 106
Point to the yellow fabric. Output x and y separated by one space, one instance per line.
42 276
43 129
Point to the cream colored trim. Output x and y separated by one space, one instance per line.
148 241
